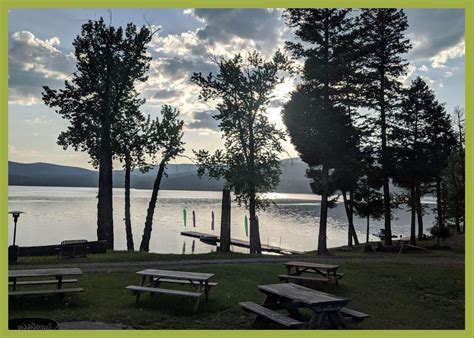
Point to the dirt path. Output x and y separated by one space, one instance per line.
174 264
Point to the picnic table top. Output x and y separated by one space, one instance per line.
195 276
44 272
301 294
312 265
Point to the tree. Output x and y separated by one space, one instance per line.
440 232
454 175
383 42
165 143
131 142
368 203
109 63
441 141
317 116
243 89
410 166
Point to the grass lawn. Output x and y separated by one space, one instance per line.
398 296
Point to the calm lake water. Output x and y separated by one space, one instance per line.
54 214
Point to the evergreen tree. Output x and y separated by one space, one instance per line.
383 44
243 89
110 61
317 115
409 150
454 175
441 143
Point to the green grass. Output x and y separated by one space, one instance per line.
397 296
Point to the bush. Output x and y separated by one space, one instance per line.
440 232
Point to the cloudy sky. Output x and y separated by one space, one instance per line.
41 53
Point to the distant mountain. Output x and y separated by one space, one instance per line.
180 177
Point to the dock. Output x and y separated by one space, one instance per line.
214 239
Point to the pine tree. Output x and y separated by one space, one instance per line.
441 143
317 115
410 166
383 44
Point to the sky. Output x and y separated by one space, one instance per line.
41 53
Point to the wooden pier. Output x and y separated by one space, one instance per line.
214 239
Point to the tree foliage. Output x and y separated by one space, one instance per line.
241 91
110 61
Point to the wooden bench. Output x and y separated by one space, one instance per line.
43 292
353 315
271 315
43 282
15 280
73 248
303 278
137 288
180 281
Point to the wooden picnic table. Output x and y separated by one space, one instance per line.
57 273
326 273
200 281
327 308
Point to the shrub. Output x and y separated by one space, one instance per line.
440 232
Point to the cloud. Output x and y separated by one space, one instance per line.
440 59
34 63
434 30
221 25
423 68
38 121
204 120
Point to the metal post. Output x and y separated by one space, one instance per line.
15 219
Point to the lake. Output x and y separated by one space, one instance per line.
53 214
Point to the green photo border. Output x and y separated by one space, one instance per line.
5 5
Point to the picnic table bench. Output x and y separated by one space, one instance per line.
325 273
73 248
59 281
328 310
200 282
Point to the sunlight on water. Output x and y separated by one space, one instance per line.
54 214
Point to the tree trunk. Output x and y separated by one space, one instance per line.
439 204
105 223
383 125
351 233
368 229
145 244
322 240
128 221
225 221
346 207
413 215
351 223
419 211
255 245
